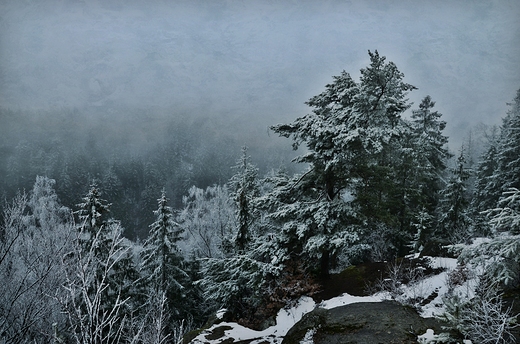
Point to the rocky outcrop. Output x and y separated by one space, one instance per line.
361 323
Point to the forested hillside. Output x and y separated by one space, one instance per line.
107 239
130 154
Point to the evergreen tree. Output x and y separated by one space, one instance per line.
487 186
422 223
349 136
242 282
421 163
499 169
92 213
430 149
454 219
162 262
244 189
506 216
47 211
509 153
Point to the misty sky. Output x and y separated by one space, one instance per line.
255 61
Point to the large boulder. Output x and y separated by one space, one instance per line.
359 323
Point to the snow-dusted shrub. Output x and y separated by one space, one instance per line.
403 282
482 318
458 276
498 257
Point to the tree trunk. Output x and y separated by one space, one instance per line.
324 264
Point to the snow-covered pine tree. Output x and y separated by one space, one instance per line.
349 136
244 189
454 219
487 186
423 158
509 152
47 211
241 282
499 169
505 217
422 223
162 263
92 213
431 150
238 278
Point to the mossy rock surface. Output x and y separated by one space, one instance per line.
362 323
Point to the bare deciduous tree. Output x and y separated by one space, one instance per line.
85 293
33 237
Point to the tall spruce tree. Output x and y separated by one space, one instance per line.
422 162
499 169
349 137
244 189
454 219
509 153
92 213
430 149
487 186
162 262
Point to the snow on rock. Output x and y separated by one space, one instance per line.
428 337
431 338
285 319
434 285
346 299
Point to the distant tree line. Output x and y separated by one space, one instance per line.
374 186
131 157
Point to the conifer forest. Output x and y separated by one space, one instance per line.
159 224
95 249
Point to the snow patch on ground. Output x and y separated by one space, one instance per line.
443 262
285 319
438 285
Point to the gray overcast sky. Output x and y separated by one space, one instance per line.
255 60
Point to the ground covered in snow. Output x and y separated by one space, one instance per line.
424 294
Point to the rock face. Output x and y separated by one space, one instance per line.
361 323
